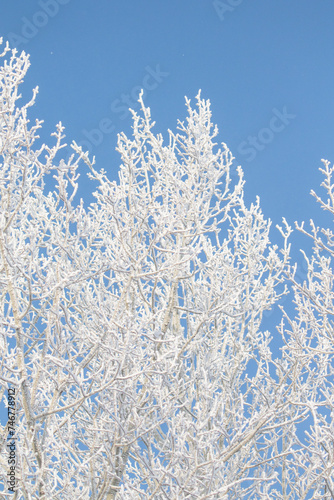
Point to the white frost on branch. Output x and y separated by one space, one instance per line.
132 329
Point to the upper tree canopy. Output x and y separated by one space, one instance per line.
132 328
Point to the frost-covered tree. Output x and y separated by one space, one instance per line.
309 361
132 331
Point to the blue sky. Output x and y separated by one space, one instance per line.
265 66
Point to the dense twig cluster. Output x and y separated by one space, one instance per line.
132 329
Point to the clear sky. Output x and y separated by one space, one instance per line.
266 66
